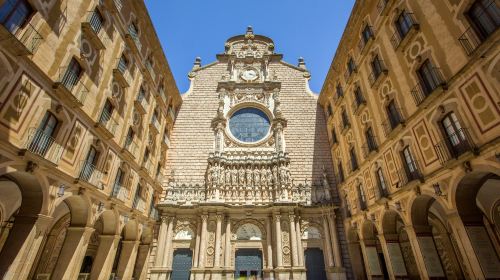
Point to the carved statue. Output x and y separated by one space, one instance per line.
275 175
256 176
234 176
263 175
241 176
227 176
249 176
269 177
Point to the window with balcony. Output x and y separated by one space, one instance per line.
89 164
367 34
484 16
456 136
107 112
429 79
334 136
339 91
371 143
146 155
15 14
133 30
393 114
409 164
118 182
382 186
358 97
123 64
362 197
354 159
130 137
340 170
351 66
44 136
72 75
404 23
377 66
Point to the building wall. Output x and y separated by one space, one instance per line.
34 60
469 88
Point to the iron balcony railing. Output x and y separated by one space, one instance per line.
120 192
90 174
141 102
121 72
370 146
426 87
108 122
408 176
71 81
42 144
378 69
25 34
95 21
410 24
93 25
392 121
455 145
472 38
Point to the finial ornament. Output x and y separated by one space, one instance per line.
249 34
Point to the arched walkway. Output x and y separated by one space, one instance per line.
373 254
356 254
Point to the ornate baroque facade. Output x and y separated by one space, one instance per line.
86 104
412 100
250 192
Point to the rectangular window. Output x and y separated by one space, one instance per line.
72 74
409 164
334 136
354 160
340 91
341 172
96 21
370 139
367 33
456 137
381 183
362 197
403 24
123 64
485 17
358 96
428 77
146 155
130 137
345 119
89 164
44 135
118 182
330 110
107 112
377 66
351 66
393 114
15 14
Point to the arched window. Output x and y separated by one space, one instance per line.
248 232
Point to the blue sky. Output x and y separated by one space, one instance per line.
299 28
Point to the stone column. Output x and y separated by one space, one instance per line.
72 253
168 245
279 256
218 240
335 240
203 241
141 263
269 242
387 257
197 245
227 247
293 237
22 245
162 236
127 259
327 241
417 252
105 256
300 249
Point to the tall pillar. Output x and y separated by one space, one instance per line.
105 256
293 237
300 249
72 253
269 242
141 262
162 236
203 241
335 240
277 223
197 243
227 247
168 245
218 240
387 256
22 245
327 241
417 252
128 256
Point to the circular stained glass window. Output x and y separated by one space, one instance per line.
249 125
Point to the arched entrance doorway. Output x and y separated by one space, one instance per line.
248 264
477 195
436 242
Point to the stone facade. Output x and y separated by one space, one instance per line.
225 195
64 211
412 101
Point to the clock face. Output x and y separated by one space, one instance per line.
249 75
